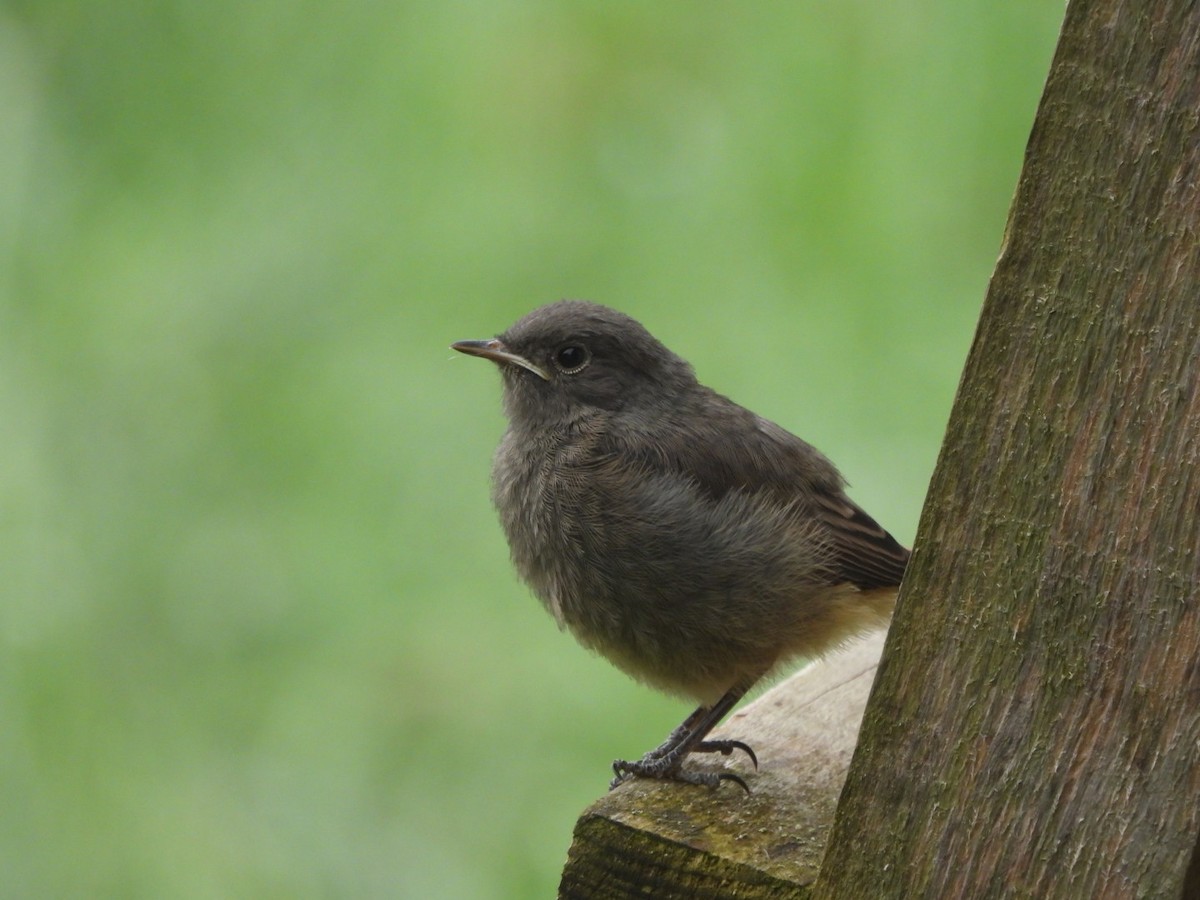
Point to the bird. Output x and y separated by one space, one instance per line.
698 546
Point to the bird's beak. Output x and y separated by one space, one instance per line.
498 353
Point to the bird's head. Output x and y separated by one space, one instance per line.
569 358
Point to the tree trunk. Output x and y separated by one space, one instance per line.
1034 729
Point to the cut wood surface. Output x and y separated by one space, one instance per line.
674 840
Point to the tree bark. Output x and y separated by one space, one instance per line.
1034 729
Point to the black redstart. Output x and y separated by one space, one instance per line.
695 544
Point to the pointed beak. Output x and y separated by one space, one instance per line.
498 353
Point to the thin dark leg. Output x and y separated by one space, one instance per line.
666 760
680 734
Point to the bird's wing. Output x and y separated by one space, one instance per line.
730 448
865 554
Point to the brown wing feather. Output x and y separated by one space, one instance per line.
865 554
723 446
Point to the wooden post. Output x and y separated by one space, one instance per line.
649 839
1035 727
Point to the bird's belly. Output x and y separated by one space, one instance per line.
681 591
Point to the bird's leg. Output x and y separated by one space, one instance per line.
679 734
724 747
666 760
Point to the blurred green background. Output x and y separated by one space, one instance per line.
258 632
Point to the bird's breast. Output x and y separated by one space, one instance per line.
531 489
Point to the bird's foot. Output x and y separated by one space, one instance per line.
725 747
642 768
665 763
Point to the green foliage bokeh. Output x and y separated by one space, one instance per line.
258 632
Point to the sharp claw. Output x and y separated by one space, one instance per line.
736 779
725 748
745 748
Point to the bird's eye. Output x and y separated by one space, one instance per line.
571 358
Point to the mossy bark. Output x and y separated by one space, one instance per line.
1035 726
